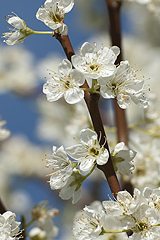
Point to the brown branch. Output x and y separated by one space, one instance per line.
92 101
108 169
23 224
114 10
2 207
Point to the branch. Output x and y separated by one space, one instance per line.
114 11
2 207
114 8
92 101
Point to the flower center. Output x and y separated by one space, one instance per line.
142 225
67 84
113 86
140 171
94 67
157 204
57 18
93 151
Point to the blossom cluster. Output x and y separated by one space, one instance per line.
139 216
72 165
144 138
97 66
52 13
93 64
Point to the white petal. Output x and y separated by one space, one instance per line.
87 135
120 146
108 70
78 62
16 22
123 100
112 208
76 196
103 158
53 92
78 77
63 30
106 92
87 48
66 192
67 5
116 50
77 151
65 67
74 95
87 164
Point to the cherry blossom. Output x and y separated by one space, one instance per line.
94 61
66 82
20 30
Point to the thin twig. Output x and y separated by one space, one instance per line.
92 101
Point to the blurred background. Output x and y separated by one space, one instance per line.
34 125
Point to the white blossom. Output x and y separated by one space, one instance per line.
135 215
61 167
153 198
125 203
72 189
17 70
28 151
92 222
38 234
146 171
65 175
124 86
19 32
88 152
94 61
87 225
43 220
122 159
142 223
9 227
67 82
52 13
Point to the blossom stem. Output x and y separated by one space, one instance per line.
114 9
92 100
115 231
43 32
